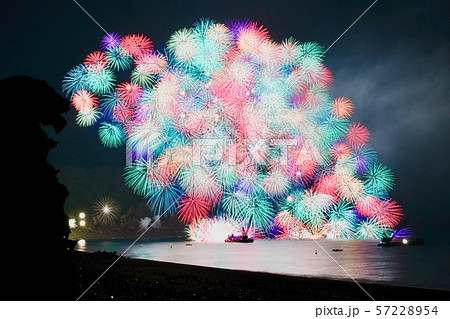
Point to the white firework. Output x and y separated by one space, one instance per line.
350 188
106 210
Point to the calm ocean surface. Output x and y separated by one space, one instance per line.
418 266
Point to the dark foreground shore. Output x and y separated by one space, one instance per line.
135 279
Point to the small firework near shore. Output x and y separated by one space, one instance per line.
106 210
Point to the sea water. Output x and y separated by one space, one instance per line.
416 266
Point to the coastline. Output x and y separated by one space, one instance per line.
139 279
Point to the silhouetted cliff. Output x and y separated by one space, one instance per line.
35 229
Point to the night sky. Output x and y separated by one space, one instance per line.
393 63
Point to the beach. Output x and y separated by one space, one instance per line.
138 279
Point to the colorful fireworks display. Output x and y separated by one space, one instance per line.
229 129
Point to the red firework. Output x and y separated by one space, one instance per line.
192 209
96 60
327 185
122 113
357 135
136 44
129 93
388 213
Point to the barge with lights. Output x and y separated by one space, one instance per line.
389 242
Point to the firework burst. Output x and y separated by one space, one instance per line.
379 180
106 210
342 107
215 229
370 229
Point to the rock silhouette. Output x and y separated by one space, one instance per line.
37 252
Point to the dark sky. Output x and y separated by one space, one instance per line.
393 63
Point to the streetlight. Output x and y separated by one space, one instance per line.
82 219
72 223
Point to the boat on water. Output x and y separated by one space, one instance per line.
401 237
338 249
389 242
239 239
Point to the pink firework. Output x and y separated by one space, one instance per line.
219 33
309 98
289 51
169 166
196 123
366 205
303 173
192 209
314 75
153 63
166 92
250 39
83 100
136 44
288 227
122 113
129 93
235 81
324 77
388 212
342 107
357 135
328 184
302 163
